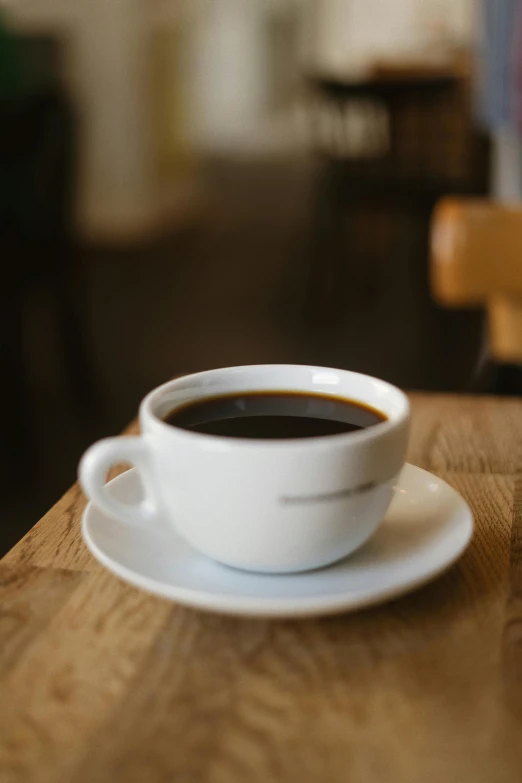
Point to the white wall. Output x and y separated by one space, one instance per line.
227 73
228 70
106 44
352 33
110 68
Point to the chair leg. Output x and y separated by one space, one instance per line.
502 379
507 379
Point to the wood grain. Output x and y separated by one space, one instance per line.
100 682
466 435
512 647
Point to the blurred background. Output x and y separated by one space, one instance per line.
187 184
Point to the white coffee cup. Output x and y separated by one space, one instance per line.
260 505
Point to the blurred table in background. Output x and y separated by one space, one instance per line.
391 145
101 682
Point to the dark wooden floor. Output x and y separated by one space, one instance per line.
229 290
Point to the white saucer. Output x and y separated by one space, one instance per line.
426 528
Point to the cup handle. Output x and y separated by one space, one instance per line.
93 471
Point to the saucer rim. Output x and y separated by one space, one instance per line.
273 607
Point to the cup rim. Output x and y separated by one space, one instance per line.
394 420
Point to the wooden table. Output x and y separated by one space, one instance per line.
103 683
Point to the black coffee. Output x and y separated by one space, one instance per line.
273 415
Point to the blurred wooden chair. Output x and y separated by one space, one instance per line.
476 259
